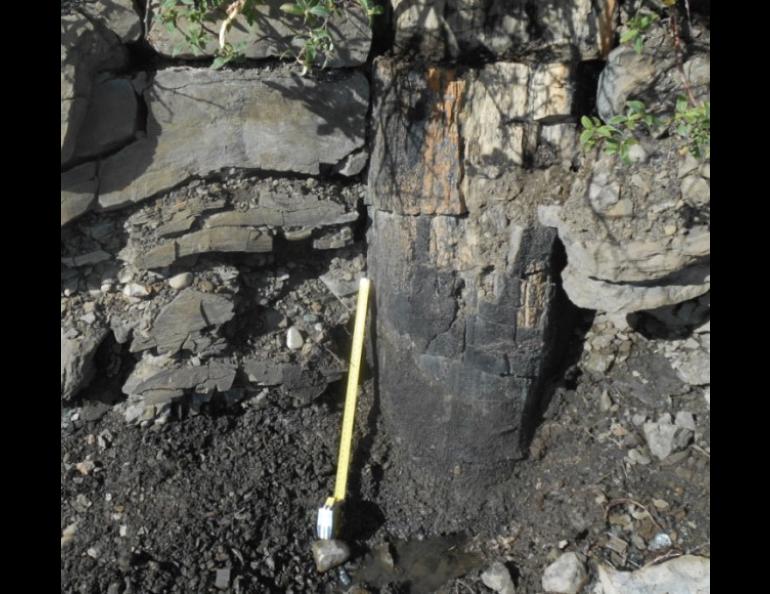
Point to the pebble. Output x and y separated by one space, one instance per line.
88 318
85 467
180 281
660 541
566 575
685 419
294 338
498 578
135 290
68 534
328 554
664 438
637 154
605 402
636 456
222 580
125 276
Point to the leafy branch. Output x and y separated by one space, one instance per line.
617 135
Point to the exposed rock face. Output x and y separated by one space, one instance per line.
634 240
650 76
248 220
466 306
201 121
503 28
86 49
119 16
270 36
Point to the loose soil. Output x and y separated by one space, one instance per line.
238 486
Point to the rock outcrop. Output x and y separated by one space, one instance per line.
272 34
637 237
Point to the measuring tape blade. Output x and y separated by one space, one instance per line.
346 437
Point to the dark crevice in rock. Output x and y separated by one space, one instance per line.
586 85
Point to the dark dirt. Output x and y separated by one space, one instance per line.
237 488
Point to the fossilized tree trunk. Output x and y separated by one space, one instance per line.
467 310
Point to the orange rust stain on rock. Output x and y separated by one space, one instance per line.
441 169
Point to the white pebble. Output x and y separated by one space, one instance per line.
294 339
180 281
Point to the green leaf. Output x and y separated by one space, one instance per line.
617 120
320 11
639 45
292 9
219 61
604 132
587 137
586 122
628 36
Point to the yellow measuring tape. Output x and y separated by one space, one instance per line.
325 521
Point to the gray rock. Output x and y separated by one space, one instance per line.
263 372
566 575
215 375
498 578
329 554
219 239
135 290
87 259
664 438
333 239
190 312
340 287
111 119
77 355
353 164
222 580
119 16
271 35
625 75
696 190
227 119
78 191
687 574
296 211
613 297
294 338
685 419
87 48
180 281
694 367
629 247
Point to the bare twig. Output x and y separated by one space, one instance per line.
626 500
679 53
232 13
